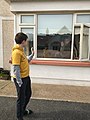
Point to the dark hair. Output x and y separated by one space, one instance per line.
20 37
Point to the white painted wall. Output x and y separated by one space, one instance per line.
60 75
56 74
1 44
50 6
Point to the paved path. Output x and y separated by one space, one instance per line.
46 110
49 102
52 92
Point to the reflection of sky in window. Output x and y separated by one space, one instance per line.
83 18
53 23
27 19
29 32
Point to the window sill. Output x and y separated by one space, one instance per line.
61 63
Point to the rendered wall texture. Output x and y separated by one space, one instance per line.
8 33
5 8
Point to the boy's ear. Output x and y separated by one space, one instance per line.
23 41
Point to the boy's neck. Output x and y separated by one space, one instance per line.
21 45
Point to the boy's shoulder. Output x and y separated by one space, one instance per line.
17 52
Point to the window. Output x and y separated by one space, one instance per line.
27 25
83 18
76 46
27 19
81 41
54 37
30 34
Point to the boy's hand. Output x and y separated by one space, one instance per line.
19 82
32 50
10 61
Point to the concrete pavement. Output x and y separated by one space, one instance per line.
50 92
49 102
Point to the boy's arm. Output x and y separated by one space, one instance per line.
30 56
16 71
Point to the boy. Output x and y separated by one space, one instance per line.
21 74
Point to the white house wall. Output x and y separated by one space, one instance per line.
60 75
50 6
55 74
1 44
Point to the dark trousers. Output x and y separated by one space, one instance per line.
23 95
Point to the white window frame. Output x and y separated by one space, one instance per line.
71 44
31 27
88 24
26 24
35 25
84 13
81 25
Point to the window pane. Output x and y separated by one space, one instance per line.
85 47
76 46
84 18
30 34
85 42
54 36
81 39
27 19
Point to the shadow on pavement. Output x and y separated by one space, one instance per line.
46 110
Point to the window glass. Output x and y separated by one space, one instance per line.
85 42
81 39
76 46
83 18
54 36
27 19
30 34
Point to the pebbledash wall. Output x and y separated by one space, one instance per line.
6 34
49 71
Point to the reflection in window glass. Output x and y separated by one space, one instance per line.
54 36
80 46
83 18
85 43
30 33
76 46
27 19
85 47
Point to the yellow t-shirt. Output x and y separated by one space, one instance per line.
19 58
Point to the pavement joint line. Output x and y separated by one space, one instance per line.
8 96
4 86
60 100
49 99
